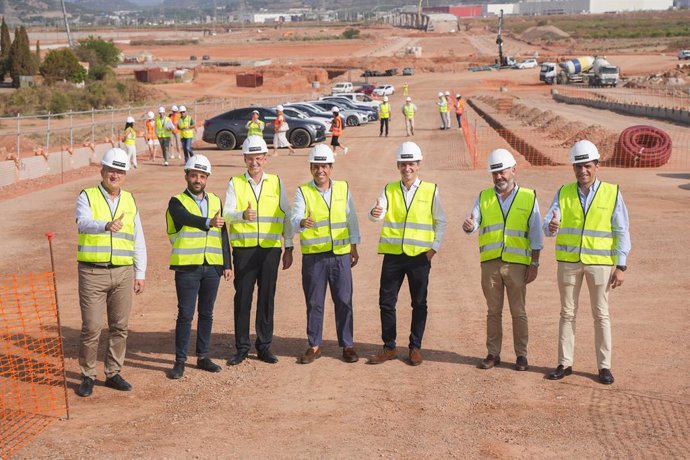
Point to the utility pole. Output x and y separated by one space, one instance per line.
499 40
70 43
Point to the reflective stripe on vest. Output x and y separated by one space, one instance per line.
330 231
586 238
130 136
268 227
116 248
337 126
184 124
505 238
161 130
385 110
190 245
151 129
408 110
409 231
255 128
443 107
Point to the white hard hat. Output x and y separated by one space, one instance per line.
583 151
116 159
500 159
198 163
161 109
335 110
279 108
385 98
408 99
321 154
255 112
150 115
182 108
254 145
440 94
447 93
408 151
175 109
130 119
457 96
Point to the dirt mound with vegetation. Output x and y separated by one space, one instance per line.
543 33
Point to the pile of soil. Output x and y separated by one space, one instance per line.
568 131
543 119
604 139
543 33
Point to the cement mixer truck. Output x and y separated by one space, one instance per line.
585 69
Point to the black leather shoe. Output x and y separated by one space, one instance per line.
560 372
521 363
205 364
116 382
177 370
237 358
489 362
267 357
605 376
85 387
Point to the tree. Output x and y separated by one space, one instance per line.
103 52
5 44
20 60
62 65
37 55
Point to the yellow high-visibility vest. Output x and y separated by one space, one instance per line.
586 238
130 136
409 231
385 110
116 248
256 128
265 231
183 125
161 130
443 107
330 231
408 110
190 245
506 238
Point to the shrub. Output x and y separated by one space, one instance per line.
62 65
351 33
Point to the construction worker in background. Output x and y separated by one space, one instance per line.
255 127
280 129
150 135
413 229
112 264
175 138
406 89
442 104
327 221
459 107
258 213
510 241
164 129
337 131
187 128
449 104
384 115
200 256
409 111
129 138
590 221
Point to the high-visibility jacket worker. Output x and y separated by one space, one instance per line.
409 111
442 104
164 130
384 116
255 127
337 131
459 108
590 221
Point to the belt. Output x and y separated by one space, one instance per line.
101 265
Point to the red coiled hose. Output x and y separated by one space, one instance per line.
643 146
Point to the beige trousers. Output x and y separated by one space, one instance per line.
497 277
409 126
101 291
570 278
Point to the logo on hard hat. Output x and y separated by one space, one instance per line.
320 158
201 167
406 155
255 149
582 157
496 166
119 164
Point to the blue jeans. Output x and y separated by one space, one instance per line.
202 283
187 148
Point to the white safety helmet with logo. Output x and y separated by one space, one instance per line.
175 109
440 94
408 99
321 154
117 159
150 115
161 109
408 151
254 145
130 119
583 152
198 163
385 98
279 108
335 110
447 93
501 159
182 108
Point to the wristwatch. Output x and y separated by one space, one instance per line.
290 248
535 263
622 267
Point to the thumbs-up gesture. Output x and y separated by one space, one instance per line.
249 213
555 222
217 221
468 224
377 210
115 225
308 222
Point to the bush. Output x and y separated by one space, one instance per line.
62 65
350 34
97 51
59 103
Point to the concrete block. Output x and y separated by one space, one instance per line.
33 167
80 158
58 162
8 173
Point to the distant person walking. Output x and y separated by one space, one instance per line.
337 131
185 124
255 127
409 111
164 129
449 104
175 137
280 132
442 104
384 116
459 108
129 138
150 135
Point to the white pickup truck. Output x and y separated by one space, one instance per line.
342 87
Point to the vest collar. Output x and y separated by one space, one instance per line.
414 185
251 181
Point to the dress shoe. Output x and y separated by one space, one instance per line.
415 356
237 358
267 357
350 355
310 355
116 382
386 354
177 370
605 376
205 364
490 361
521 363
560 372
85 387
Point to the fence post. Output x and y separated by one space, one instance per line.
93 127
112 123
19 132
71 130
48 134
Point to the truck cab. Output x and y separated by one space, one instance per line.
548 72
606 75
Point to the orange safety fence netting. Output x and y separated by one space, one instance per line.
32 381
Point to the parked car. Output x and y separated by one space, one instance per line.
206 57
407 71
391 72
526 64
359 99
372 112
384 90
297 113
366 89
351 117
372 73
683 55
342 87
228 130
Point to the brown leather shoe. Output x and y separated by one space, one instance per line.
415 356
386 354
350 355
489 362
310 355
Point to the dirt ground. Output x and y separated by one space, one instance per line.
446 408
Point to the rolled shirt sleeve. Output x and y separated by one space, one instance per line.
288 229
440 222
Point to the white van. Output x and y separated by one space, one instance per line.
342 87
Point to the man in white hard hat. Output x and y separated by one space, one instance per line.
449 104
200 256
409 111
112 265
325 216
413 229
255 127
442 104
459 108
590 221
257 211
175 138
164 131
384 115
337 131
129 138
150 135
510 240
185 124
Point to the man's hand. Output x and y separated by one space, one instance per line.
115 225
468 224
430 254
227 274
308 222
531 273
287 258
377 210
555 223
354 255
138 286
249 213
617 278
217 221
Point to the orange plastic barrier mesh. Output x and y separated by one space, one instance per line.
32 391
